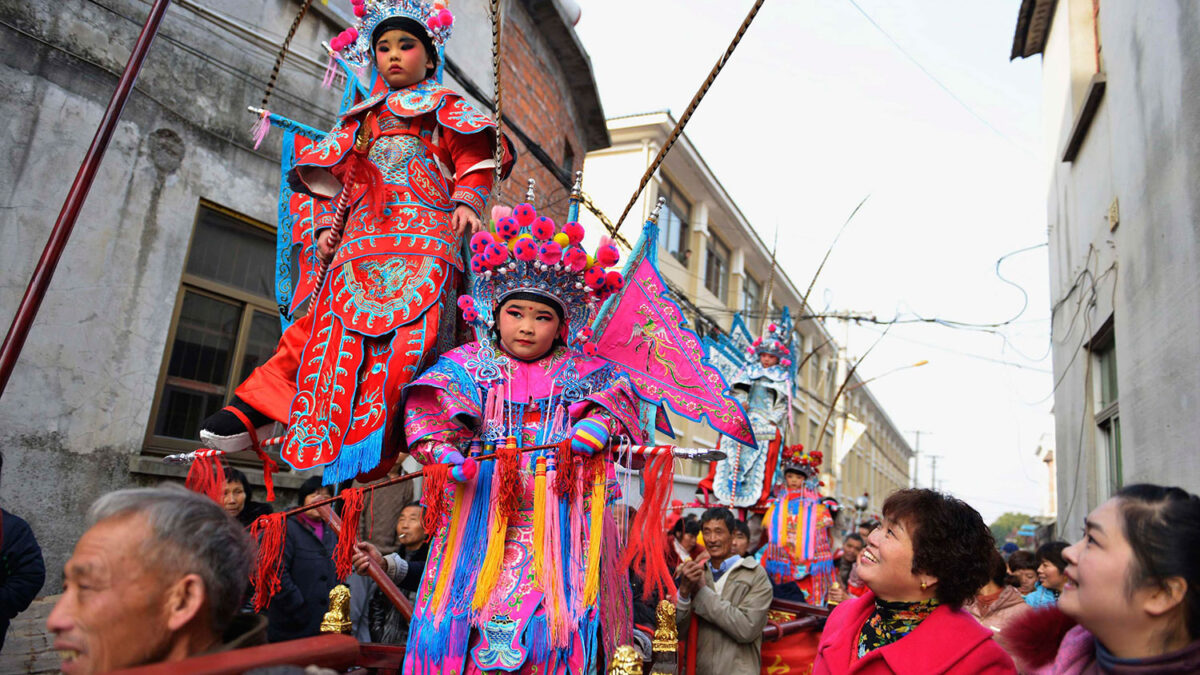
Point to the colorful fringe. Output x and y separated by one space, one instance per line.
270 531
644 554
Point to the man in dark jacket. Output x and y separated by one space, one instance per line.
22 572
306 574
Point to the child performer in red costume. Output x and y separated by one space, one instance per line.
414 165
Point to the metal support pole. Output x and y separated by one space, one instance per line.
36 291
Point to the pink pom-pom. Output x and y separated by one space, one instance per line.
614 281
480 241
359 10
465 302
525 249
589 350
786 363
574 231
434 22
470 315
524 213
576 259
477 264
543 228
607 254
352 32
757 341
500 212
594 278
496 254
786 350
508 227
772 328
550 253
446 18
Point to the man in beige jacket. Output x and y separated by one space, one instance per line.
729 597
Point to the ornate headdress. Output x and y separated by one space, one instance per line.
528 253
774 342
354 43
796 459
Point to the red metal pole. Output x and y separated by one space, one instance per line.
32 300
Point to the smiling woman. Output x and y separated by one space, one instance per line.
927 557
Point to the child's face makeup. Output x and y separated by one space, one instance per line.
401 59
527 328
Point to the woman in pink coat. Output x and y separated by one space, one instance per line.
929 555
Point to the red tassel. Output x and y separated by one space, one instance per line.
644 554
358 170
565 483
511 487
433 496
207 476
270 531
269 465
352 506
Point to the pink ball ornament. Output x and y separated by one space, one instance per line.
772 328
434 22
613 281
477 264
359 10
757 341
470 315
524 213
607 254
466 302
525 248
508 227
585 333
496 254
353 33
594 278
575 259
446 18
543 228
786 363
480 241
500 212
589 350
574 232
550 253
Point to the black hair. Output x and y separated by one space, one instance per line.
740 526
870 524
233 475
410 505
1051 551
310 486
949 541
856 537
685 526
1162 525
413 28
998 571
1022 560
722 514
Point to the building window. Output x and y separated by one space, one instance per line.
1108 417
751 299
225 324
568 161
673 222
716 268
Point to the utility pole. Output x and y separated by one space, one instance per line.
933 470
917 456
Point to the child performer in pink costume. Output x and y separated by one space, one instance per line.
418 164
524 573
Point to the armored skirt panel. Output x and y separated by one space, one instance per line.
539 607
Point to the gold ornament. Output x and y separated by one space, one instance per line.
625 661
666 637
337 619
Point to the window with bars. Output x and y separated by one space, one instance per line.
225 324
673 222
716 268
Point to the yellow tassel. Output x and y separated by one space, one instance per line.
591 584
449 553
539 523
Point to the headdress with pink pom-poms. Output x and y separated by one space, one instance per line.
353 45
529 253
775 341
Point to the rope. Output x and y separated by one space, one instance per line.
282 53
496 20
687 114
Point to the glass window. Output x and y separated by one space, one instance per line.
1108 417
673 222
716 268
751 296
226 323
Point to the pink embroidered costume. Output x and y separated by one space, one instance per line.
799 556
338 372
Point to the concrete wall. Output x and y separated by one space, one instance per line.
76 411
1143 149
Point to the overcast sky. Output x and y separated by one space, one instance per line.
819 108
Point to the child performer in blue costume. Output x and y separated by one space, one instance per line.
414 163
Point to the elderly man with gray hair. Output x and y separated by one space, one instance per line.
158 577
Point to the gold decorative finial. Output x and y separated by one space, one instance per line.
625 661
657 209
337 619
529 192
666 637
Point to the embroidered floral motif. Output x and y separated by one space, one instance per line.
891 621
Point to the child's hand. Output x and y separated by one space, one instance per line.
464 221
327 243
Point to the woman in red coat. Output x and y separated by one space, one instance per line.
928 556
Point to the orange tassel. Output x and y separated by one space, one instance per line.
270 531
352 506
433 495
